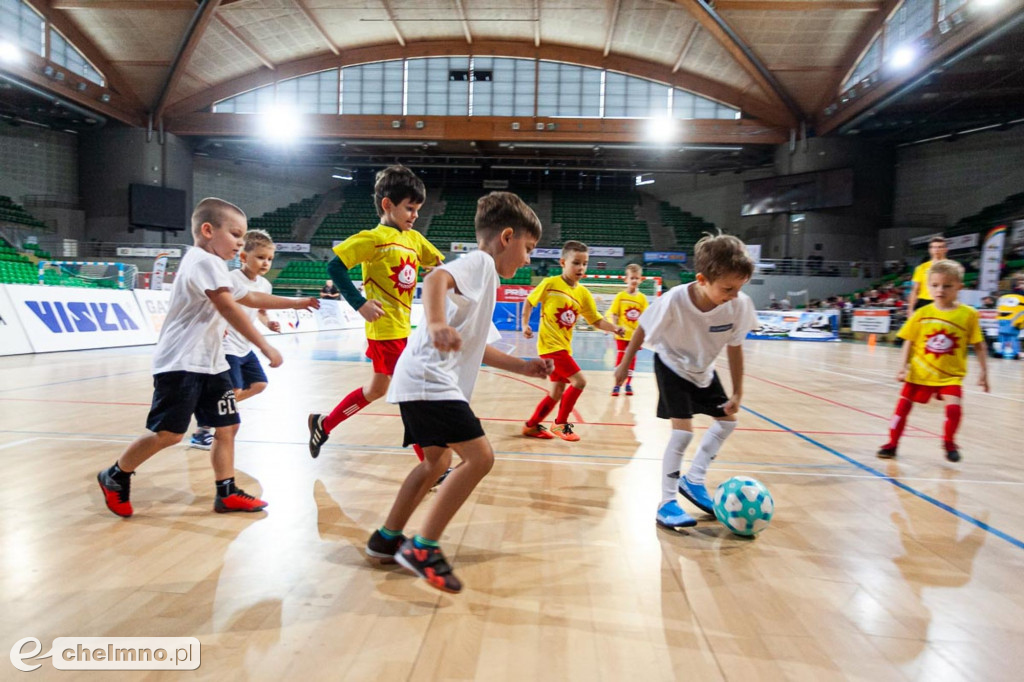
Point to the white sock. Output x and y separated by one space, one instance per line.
709 446
672 461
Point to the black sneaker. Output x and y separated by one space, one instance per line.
443 476
317 435
429 564
952 454
379 547
886 452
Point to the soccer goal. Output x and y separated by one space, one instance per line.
94 274
604 288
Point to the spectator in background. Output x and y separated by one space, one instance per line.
919 294
784 304
988 303
329 291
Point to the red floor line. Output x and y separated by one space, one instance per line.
837 404
575 415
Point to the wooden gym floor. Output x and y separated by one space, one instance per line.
872 570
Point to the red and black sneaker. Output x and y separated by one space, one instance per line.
887 451
383 549
429 564
116 494
952 452
238 501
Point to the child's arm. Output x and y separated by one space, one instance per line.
527 310
258 299
435 288
627 356
735 355
370 310
607 326
272 325
905 354
981 352
531 367
225 304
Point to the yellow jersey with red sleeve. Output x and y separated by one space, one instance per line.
560 306
391 260
921 277
627 308
940 340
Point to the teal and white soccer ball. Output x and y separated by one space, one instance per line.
744 505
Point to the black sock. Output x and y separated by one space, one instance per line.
118 475
226 487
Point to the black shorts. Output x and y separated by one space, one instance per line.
179 395
922 302
679 398
439 422
245 370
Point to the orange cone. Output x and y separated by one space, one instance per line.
871 340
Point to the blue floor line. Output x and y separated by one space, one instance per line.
902 486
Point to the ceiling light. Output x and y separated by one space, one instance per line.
9 52
662 129
903 56
280 125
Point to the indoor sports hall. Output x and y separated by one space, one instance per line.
850 144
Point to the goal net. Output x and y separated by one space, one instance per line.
605 287
93 274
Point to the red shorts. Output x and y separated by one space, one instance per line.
384 354
565 366
919 393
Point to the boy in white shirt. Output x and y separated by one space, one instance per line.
687 328
247 375
190 374
434 378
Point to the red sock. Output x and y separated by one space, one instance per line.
953 414
569 399
418 450
899 421
544 408
351 404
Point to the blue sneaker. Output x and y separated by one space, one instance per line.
697 494
671 515
202 440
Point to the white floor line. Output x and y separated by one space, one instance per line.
23 441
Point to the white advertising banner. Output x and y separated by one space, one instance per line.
154 305
991 259
71 318
799 325
871 321
12 336
337 315
463 247
291 247
594 251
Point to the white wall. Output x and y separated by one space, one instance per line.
258 188
38 161
716 198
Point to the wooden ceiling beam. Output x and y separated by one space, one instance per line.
189 42
127 5
465 21
754 106
798 5
613 17
394 22
485 128
246 43
317 26
687 44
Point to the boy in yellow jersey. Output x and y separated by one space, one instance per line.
626 309
562 299
391 255
935 347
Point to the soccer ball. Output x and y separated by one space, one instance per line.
744 505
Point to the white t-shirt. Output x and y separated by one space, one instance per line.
425 373
190 339
688 340
234 342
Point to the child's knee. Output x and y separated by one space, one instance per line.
168 438
578 381
257 388
223 433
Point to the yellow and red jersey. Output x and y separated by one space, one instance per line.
921 277
560 306
627 308
391 260
940 340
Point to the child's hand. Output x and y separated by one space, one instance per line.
983 381
620 331
527 332
732 406
372 310
274 326
273 356
539 367
901 375
310 303
621 372
444 338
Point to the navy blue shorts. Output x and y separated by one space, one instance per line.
179 395
439 422
681 399
245 370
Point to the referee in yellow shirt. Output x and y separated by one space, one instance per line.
919 294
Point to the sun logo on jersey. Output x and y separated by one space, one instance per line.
565 317
941 343
404 275
632 314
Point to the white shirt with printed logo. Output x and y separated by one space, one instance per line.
234 342
688 340
425 373
190 339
